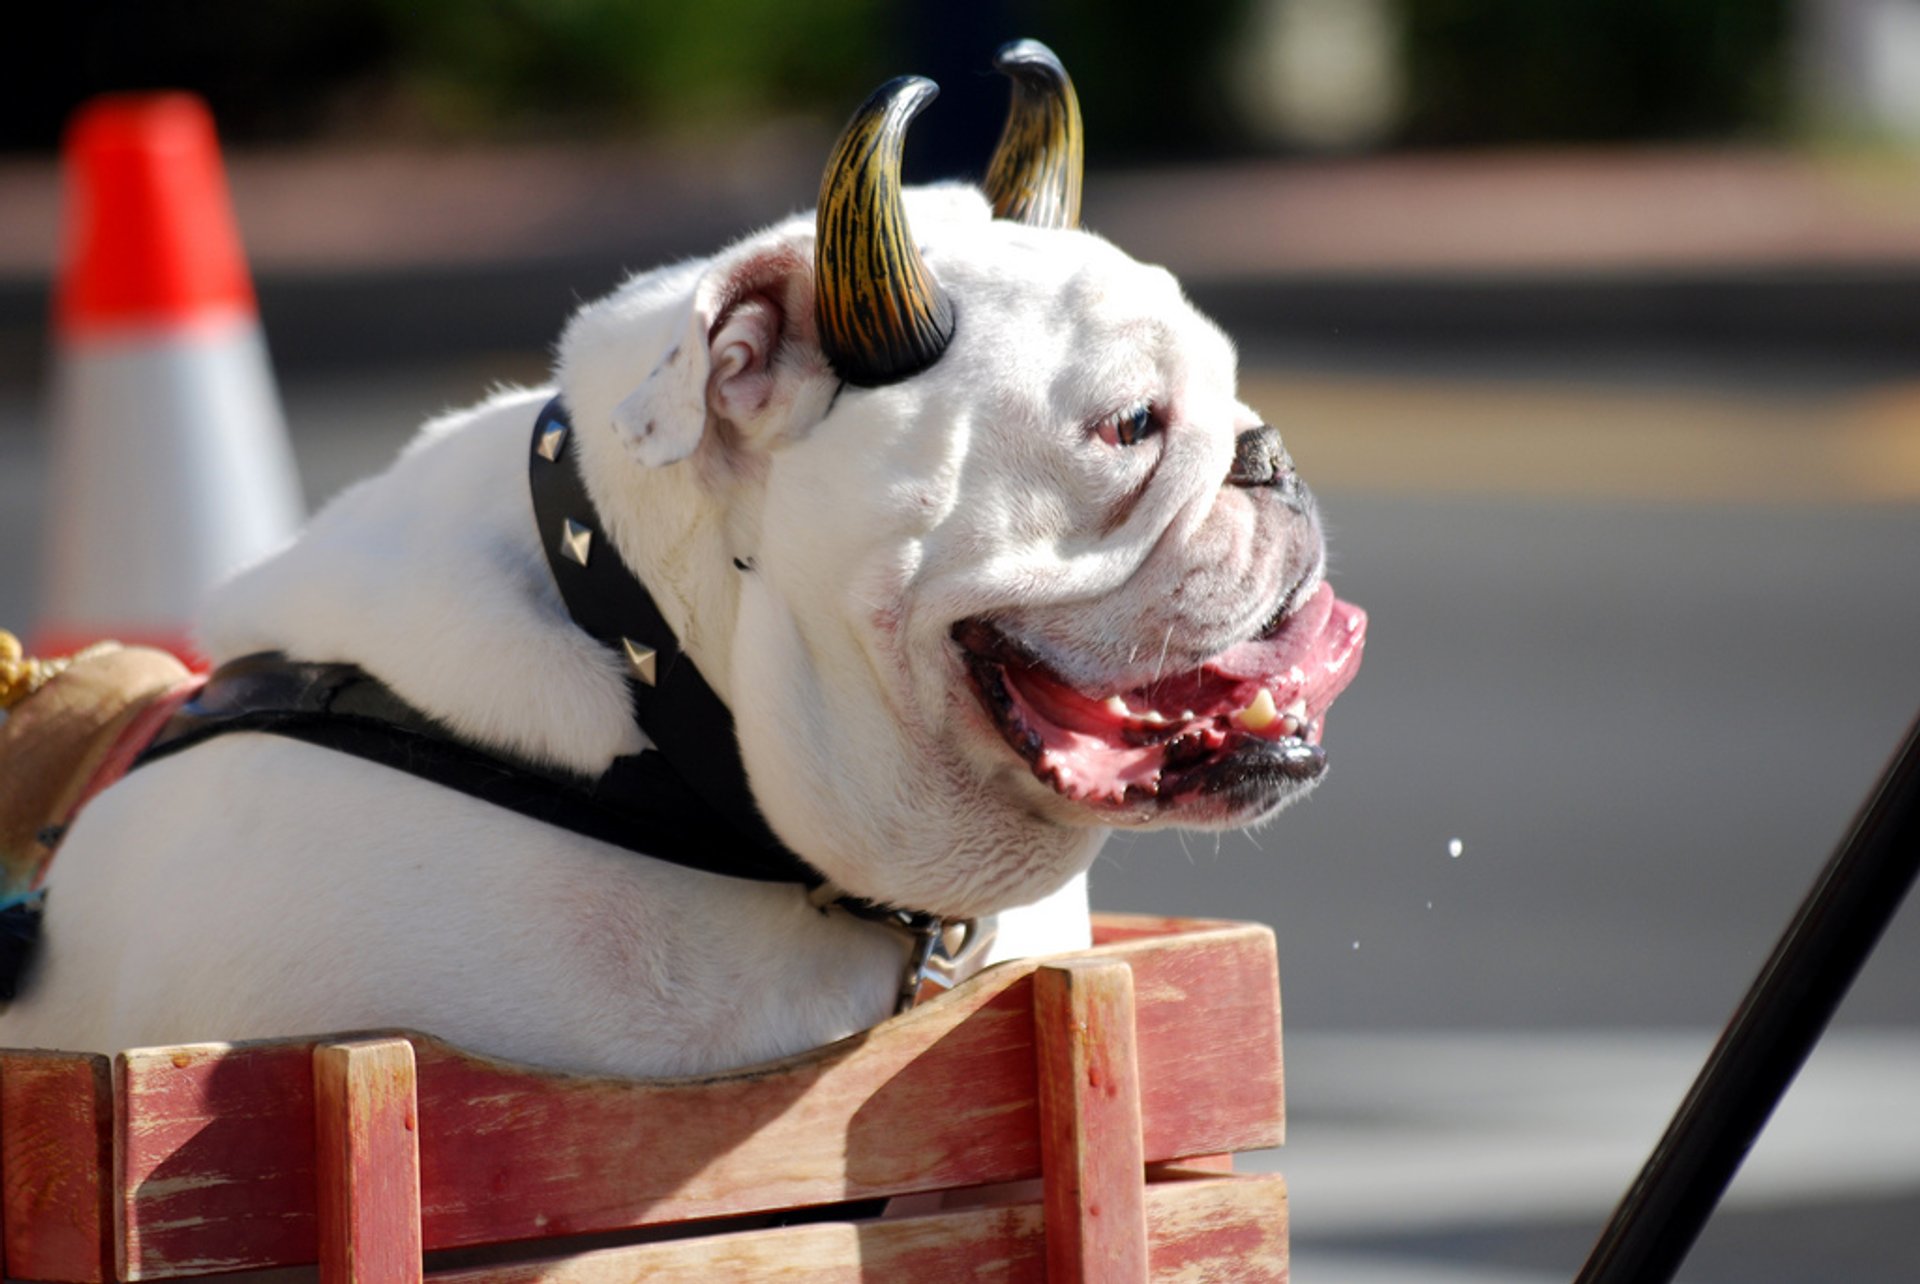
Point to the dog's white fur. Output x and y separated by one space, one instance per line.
257 886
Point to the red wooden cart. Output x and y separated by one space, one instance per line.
1122 1079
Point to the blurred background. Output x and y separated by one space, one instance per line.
1594 323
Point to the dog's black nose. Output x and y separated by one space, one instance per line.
1259 459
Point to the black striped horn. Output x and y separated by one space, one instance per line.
881 314
1034 176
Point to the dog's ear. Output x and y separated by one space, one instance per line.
746 352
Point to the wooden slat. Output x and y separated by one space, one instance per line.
1194 1163
56 1152
1092 1165
217 1142
939 1098
367 1159
213 1158
1214 1061
1218 1229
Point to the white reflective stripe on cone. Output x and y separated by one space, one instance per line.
171 470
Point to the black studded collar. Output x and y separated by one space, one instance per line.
689 726
691 729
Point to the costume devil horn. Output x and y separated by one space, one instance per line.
881 314
1034 176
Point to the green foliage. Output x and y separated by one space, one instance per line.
1147 83
271 68
1486 71
1150 75
633 62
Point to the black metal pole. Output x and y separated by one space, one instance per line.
1770 1036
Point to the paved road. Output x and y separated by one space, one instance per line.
1646 726
1645 700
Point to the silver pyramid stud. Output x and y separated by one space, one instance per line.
576 541
552 440
640 659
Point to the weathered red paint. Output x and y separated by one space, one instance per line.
216 1165
367 1162
1226 1229
56 1161
1092 1165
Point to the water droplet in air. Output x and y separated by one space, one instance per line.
1356 945
1455 847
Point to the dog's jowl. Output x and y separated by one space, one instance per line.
839 596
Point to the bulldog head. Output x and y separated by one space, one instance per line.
955 504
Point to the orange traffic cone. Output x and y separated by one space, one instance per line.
171 466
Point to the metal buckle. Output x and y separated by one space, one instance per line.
940 952
945 955
960 950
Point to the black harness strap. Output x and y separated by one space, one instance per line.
686 800
339 706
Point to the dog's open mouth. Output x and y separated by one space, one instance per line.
1245 723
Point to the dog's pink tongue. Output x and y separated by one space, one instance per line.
1314 655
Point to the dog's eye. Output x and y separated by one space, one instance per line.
1131 428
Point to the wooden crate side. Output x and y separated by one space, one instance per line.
939 1098
214 1158
216 1143
508 1155
367 1158
56 1148
1205 1227
1005 1245
1092 1167
1231 1228
1211 1067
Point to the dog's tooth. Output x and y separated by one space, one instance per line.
1289 725
1118 707
1259 715
1155 717
1297 710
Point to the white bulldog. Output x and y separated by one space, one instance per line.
978 545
